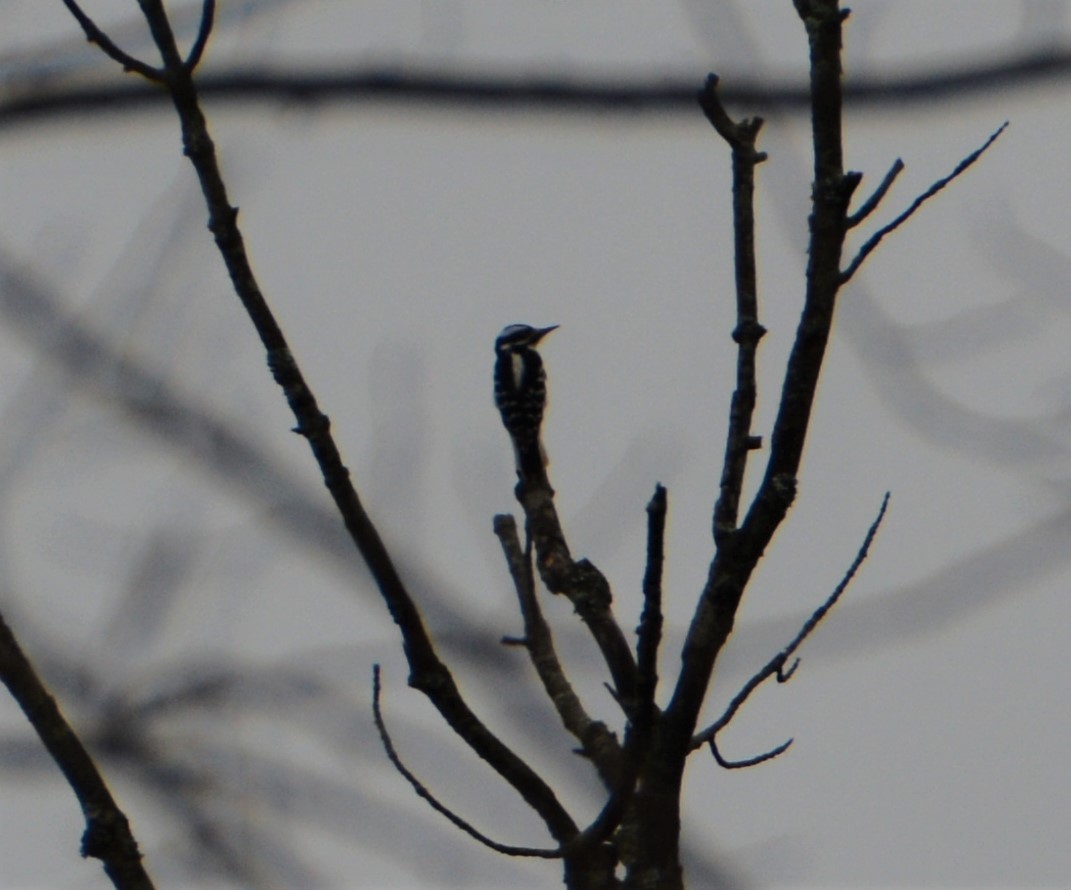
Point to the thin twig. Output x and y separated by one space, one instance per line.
871 203
422 791
748 761
208 13
107 835
875 239
97 36
776 665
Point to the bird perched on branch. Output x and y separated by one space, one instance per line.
521 392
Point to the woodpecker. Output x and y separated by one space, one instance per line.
521 392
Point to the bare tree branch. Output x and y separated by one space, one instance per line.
668 95
874 240
580 582
598 743
208 13
739 442
776 665
107 836
871 203
95 35
748 761
738 553
422 791
649 633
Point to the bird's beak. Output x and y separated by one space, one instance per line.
544 331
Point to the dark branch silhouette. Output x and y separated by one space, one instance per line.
874 240
95 35
775 667
673 95
432 801
638 827
107 836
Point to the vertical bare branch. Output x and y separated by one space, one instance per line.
738 552
598 743
737 556
649 634
741 138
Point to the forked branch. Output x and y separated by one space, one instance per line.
581 583
597 742
874 240
775 667
423 792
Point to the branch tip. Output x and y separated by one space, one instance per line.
428 797
775 667
750 761
208 11
871 243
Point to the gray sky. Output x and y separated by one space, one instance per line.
929 713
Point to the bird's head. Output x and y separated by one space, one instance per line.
520 336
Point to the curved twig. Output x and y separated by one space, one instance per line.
422 791
775 667
749 761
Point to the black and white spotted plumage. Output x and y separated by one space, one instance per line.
521 392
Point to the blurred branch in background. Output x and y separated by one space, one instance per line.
421 84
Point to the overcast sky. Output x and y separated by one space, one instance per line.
930 713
